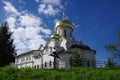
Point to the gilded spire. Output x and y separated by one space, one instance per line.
63 14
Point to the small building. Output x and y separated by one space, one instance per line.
58 50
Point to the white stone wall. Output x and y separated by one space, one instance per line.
69 31
63 44
28 60
64 60
46 61
54 43
37 62
67 41
24 61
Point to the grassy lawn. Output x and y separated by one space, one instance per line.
79 73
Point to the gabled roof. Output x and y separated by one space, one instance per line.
82 47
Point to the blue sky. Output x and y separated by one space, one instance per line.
95 21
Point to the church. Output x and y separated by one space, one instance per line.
57 51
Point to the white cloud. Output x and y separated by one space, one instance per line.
41 8
28 19
11 20
46 31
27 28
37 1
48 9
10 8
54 2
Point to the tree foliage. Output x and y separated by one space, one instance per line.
7 49
110 63
114 49
75 60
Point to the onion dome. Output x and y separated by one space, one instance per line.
55 37
64 23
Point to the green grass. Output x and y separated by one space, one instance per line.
79 73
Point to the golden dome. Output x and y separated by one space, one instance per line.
63 23
55 36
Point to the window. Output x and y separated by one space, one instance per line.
45 64
50 63
29 57
26 58
64 33
58 32
37 66
22 59
70 34
17 60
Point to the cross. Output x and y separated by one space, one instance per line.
63 14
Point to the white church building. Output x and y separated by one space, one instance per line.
58 50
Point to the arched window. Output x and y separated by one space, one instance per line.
45 64
58 32
64 33
37 66
50 64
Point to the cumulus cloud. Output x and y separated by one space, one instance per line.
11 20
28 30
54 2
29 20
49 7
10 8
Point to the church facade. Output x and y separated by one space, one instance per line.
58 50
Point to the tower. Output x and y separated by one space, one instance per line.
64 29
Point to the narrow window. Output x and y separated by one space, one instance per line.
58 32
70 34
29 57
45 64
26 58
50 63
64 33
37 66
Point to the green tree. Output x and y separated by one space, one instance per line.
75 60
114 49
110 63
7 49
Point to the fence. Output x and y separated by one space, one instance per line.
101 64
85 63
63 64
